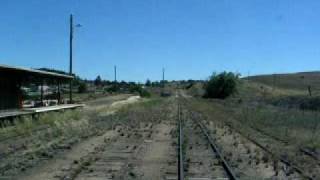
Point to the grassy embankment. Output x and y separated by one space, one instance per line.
283 109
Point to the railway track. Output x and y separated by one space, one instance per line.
198 156
286 163
305 151
282 159
180 142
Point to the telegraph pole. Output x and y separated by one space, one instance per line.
162 74
70 65
163 70
115 73
71 53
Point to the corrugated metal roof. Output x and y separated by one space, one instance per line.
34 71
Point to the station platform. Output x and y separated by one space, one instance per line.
7 114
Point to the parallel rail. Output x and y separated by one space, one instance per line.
303 150
213 146
180 150
283 160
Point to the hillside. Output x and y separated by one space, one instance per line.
294 81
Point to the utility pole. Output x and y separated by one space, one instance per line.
71 53
115 73
70 65
162 74
163 70
274 82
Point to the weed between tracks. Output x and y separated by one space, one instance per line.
300 128
283 131
135 128
297 127
31 141
27 125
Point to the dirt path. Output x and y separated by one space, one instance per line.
141 153
141 146
114 161
143 150
61 160
157 161
60 165
57 167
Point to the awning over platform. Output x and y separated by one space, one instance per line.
13 78
24 72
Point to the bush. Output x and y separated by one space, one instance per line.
98 81
113 88
148 83
82 87
222 85
134 88
144 93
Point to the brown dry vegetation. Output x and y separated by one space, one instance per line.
117 138
282 116
33 141
293 81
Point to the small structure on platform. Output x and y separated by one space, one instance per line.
12 79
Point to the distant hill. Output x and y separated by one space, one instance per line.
293 81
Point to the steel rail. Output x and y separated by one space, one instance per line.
283 160
180 141
215 148
303 150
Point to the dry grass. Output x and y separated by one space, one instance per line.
39 139
296 126
294 81
300 128
277 112
27 125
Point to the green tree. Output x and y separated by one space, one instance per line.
148 83
222 85
82 88
98 81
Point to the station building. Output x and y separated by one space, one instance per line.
12 79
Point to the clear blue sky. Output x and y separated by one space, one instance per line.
190 38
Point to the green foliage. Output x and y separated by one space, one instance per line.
134 88
148 83
137 88
113 88
77 81
222 85
144 93
155 84
98 81
82 88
